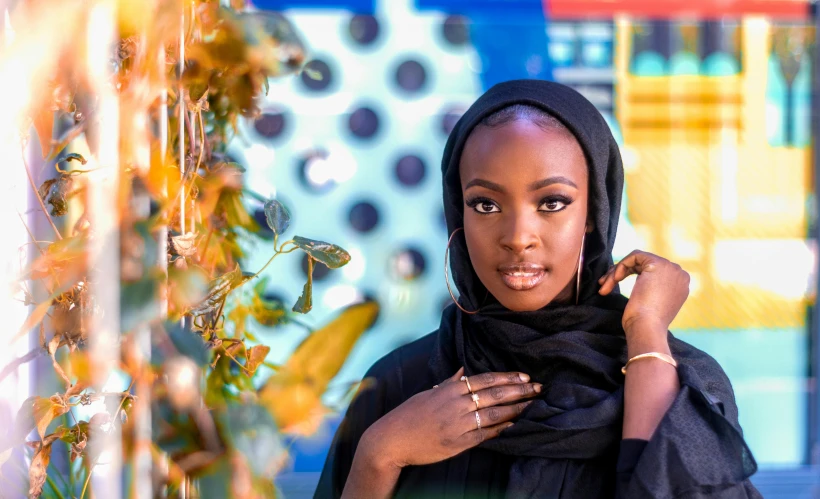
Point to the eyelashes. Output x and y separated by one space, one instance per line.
553 204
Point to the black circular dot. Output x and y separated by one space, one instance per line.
364 29
363 216
363 122
320 270
314 172
264 229
411 75
275 296
270 125
410 170
450 118
455 30
317 75
407 264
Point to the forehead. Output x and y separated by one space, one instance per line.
522 152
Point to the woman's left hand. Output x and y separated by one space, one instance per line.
658 295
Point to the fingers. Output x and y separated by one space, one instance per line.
490 379
503 394
636 262
493 415
475 437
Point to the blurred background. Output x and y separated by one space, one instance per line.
709 101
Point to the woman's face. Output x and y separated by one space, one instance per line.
525 211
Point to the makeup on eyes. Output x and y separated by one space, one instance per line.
474 202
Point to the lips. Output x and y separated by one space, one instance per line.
522 276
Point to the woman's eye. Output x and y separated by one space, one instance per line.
554 205
485 207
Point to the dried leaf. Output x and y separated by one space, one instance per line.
73 156
45 187
256 355
34 318
236 348
277 216
305 301
219 290
59 196
183 245
43 118
331 255
45 410
37 471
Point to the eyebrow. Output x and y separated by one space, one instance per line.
533 187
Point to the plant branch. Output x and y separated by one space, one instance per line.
37 195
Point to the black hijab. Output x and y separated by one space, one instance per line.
576 351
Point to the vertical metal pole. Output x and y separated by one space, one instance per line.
813 447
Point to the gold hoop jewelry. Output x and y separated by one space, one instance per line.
477 421
474 396
651 355
447 279
580 270
466 380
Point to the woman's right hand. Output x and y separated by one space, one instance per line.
439 423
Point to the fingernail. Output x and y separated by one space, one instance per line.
537 387
510 424
523 377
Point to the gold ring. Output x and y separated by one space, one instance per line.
475 399
477 421
464 379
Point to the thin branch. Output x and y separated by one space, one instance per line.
37 195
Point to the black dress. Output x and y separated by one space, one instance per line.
404 372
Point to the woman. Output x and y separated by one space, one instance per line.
521 393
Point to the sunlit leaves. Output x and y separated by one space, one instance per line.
277 216
45 410
293 393
255 357
331 255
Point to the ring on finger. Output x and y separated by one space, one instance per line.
477 421
466 380
474 396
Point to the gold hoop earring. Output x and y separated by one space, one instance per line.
580 270
447 279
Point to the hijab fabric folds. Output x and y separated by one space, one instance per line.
576 351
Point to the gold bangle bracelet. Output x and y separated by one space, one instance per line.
650 355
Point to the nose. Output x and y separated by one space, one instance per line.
519 235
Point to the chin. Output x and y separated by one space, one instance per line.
522 303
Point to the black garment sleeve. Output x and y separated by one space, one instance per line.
368 405
698 450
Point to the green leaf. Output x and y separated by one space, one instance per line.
138 302
189 343
331 255
305 301
277 216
